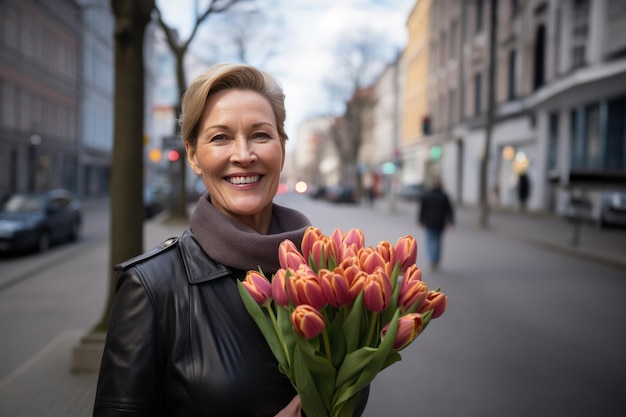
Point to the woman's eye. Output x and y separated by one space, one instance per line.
261 135
218 138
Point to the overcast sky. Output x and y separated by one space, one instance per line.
300 34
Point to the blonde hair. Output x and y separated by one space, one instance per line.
222 77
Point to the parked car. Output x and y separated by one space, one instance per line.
35 221
612 209
341 194
154 201
412 192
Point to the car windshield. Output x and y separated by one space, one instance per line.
21 203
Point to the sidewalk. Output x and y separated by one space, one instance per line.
545 229
45 386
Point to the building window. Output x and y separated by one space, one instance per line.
478 81
514 9
479 16
539 55
616 134
580 32
512 93
553 141
592 136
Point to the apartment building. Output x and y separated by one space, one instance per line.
560 89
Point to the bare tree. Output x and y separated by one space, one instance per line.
360 58
179 48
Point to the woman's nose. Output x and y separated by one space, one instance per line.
243 152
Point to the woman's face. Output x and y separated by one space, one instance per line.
239 155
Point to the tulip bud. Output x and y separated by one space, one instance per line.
435 301
322 251
377 291
289 256
311 235
259 288
412 289
406 251
335 286
279 289
307 321
305 288
370 260
409 327
387 251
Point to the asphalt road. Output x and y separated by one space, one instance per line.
528 331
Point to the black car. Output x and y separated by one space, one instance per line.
35 221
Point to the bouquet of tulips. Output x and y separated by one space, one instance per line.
337 313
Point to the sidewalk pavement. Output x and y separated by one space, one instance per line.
45 386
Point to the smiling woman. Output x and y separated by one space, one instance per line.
180 341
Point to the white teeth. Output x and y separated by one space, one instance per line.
243 180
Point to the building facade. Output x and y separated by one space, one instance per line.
40 94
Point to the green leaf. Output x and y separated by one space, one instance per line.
374 363
337 340
314 362
286 331
392 358
313 402
353 364
352 324
264 323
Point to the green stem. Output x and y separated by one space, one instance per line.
373 323
279 334
327 346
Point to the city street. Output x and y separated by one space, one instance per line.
528 330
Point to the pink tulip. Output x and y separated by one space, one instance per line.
412 289
311 235
259 288
370 260
435 301
279 288
289 256
356 279
348 244
409 327
335 286
307 321
305 288
406 251
322 251
388 252
377 291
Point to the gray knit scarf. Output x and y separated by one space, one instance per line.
235 245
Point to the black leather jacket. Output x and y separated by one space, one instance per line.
181 343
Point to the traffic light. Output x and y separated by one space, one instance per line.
173 155
435 152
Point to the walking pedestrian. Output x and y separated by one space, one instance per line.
436 214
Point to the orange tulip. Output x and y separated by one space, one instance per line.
387 251
370 260
377 291
348 244
307 321
289 256
304 287
409 327
435 301
259 288
311 235
335 286
279 288
322 251
412 289
406 251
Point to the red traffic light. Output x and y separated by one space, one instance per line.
173 155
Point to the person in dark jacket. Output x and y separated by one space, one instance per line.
180 341
435 215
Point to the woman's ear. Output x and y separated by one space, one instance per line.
192 158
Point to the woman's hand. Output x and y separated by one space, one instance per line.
292 409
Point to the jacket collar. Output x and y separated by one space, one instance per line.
198 266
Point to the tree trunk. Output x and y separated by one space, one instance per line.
491 104
126 239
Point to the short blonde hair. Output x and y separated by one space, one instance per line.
222 77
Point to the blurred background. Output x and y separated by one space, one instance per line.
518 105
